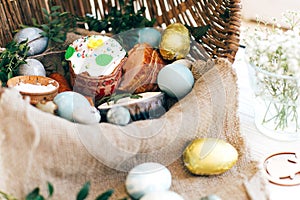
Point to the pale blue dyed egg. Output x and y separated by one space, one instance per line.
37 43
176 80
150 35
68 101
118 115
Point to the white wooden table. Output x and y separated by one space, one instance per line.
260 145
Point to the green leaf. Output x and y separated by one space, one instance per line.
198 32
226 14
58 40
83 193
44 34
10 75
45 11
105 195
50 189
45 27
55 8
34 194
34 21
54 14
63 14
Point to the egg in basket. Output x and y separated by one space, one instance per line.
149 64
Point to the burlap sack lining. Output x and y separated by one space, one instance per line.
37 147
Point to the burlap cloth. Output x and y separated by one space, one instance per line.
37 147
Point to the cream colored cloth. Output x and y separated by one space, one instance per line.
37 147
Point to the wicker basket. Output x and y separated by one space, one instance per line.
223 16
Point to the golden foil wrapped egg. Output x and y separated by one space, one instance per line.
175 42
209 156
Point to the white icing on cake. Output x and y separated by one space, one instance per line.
97 54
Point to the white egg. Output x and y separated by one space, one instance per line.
88 115
32 67
118 115
147 178
68 101
36 42
185 62
165 195
176 80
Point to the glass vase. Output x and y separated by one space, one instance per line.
277 106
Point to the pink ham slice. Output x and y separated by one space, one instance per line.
141 69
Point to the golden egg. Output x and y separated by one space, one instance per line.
209 156
175 42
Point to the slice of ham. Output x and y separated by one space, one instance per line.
141 69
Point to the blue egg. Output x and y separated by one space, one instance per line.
150 35
37 42
176 80
68 101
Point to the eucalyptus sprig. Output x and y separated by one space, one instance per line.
120 19
11 58
57 24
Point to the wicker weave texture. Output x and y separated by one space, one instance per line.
223 16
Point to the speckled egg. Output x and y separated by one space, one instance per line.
68 101
164 195
32 67
209 156
149 35
118 115
147 178
176 80
37 42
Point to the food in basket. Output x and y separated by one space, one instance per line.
148 105
118 115
176 80
141 69
34 88
147 178
32 67
175 42
75 107
36 41
95 65
164 195
38 88
209 156
63 82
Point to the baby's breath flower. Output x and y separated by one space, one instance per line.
276 50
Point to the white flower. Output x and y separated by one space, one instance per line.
276 50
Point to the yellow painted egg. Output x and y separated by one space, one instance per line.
209 156
175 42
